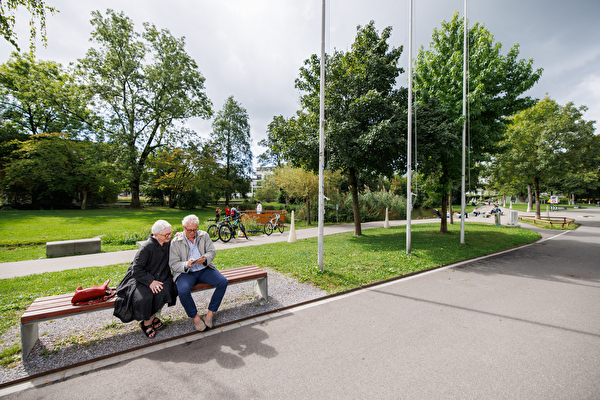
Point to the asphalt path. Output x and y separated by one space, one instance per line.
522 324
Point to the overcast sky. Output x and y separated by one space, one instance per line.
253 49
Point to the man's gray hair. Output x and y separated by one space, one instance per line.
190 219
160 226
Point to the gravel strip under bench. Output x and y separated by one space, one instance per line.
67 341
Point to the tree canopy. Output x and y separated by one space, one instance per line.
496 84
231 138
41 97
52 170
146 86
546 141
37 9
365 112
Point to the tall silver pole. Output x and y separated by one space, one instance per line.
322 140
464 135
409 150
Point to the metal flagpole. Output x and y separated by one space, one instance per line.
322 140
409 149
464 134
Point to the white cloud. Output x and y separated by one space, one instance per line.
253 49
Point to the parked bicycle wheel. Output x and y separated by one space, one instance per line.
213 232
280 226
226 232
243 230
269 228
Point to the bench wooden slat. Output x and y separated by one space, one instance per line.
60 305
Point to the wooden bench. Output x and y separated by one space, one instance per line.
53 307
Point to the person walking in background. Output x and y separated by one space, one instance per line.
227 210
191 260
258 207
217 214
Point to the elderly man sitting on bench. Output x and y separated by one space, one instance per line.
191 260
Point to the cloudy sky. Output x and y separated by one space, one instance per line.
253 49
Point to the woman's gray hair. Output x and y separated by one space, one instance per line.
190 219
160 226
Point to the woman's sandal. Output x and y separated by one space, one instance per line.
157 323
148 330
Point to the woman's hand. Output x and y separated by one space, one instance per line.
156 286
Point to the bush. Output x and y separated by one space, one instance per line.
126 237
372 207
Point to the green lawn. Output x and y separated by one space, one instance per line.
39 227
23 234
349 261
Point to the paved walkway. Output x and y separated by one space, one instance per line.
520 324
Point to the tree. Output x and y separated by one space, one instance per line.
231 137
273 156
41 97
546 141
188 175
53 171
300 184
496 84
37 9
576 185
365 112
146 85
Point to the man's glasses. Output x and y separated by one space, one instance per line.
191 230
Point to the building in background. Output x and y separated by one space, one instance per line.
257 178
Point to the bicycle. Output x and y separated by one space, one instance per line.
228 229
274 223
213 230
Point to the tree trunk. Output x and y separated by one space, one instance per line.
355 208
444 222
135 193
536 188
529 198
84 199
450 213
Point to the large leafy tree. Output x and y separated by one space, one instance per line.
41 97
231 137
52 170
546 141
300 184
273 156
37 9
188 175
496 85
146 85
364 111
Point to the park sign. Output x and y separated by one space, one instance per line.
553 199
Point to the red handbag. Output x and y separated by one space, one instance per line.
94 294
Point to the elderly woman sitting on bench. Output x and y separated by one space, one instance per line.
148 284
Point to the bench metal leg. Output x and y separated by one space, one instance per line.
261 288
29 335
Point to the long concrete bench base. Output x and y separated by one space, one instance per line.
68 247
60 306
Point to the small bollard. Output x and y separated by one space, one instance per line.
292 236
